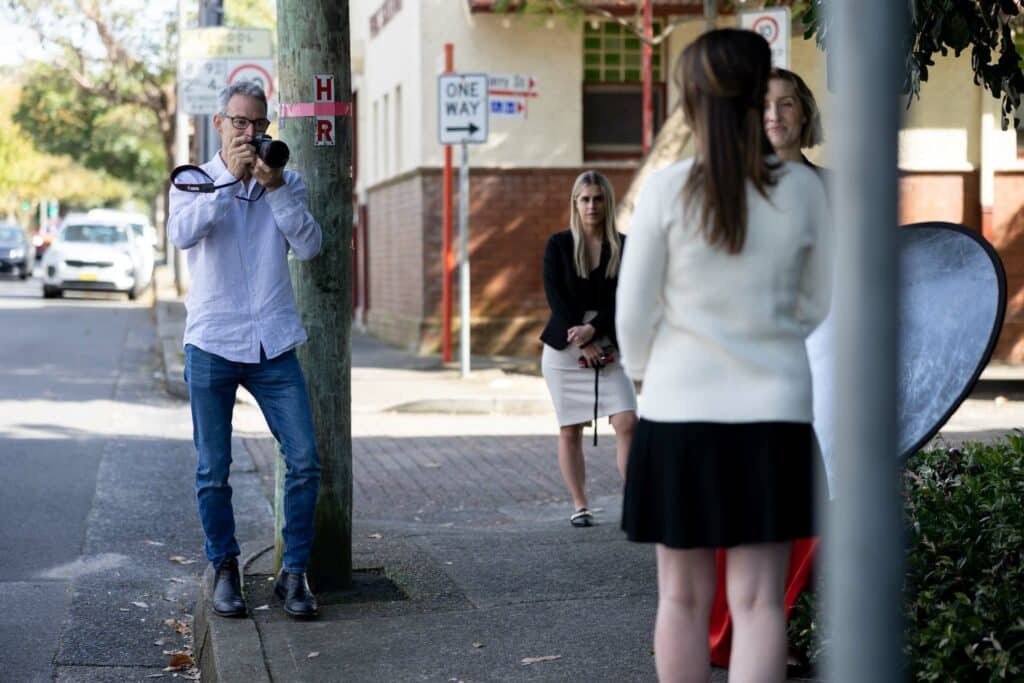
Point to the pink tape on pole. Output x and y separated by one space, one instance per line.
304 109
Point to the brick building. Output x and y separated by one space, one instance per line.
585 113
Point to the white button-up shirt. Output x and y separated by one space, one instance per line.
240 296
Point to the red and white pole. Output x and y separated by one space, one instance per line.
447 259
648 51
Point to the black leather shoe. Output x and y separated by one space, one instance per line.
299 601
227 590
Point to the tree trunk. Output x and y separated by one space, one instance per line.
313 38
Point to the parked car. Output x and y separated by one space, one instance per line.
144 232
94 255
17 255
139 221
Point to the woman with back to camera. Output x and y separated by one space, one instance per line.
579 363
792 123
726 272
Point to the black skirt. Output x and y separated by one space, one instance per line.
717 485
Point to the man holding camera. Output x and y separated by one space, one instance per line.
242 329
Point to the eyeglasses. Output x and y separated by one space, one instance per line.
241 123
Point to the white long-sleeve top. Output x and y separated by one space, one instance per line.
241 297
719 337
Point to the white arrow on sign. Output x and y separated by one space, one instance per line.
462 108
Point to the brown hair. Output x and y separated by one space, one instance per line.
723 76
611 235
811 134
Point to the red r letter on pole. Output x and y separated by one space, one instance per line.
324 132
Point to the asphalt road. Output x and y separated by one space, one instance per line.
96 468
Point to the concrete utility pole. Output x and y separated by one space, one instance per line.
314 64
865 542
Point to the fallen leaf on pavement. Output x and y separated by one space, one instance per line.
181 559
149 542
312 654
140 604
261 607
161 642
535 660
179 626
123 609
155 676
431 465
175 579
378 536
179 660
478 645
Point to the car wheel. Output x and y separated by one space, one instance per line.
133 294
52 292
26 270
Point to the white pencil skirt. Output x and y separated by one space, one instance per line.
572 387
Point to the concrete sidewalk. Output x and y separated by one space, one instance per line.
465 566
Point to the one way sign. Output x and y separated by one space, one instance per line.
462 108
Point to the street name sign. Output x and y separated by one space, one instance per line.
510 94
462 108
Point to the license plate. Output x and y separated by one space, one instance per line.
88 277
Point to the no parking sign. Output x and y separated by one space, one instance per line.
773 26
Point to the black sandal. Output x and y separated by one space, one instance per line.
581 518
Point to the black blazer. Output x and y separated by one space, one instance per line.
569 295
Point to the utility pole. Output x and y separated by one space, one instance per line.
315 79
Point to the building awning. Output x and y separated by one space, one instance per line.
628 7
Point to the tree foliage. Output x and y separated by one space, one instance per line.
28 175
985 27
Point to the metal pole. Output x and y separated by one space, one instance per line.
710 14
446 234
865 539
211 13
172 254
464 314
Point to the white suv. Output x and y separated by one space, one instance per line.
93 255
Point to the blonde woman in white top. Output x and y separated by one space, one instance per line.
725 273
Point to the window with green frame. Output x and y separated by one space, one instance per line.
614 54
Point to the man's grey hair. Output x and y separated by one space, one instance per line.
246 88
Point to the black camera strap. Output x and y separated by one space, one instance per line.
202 187
597 376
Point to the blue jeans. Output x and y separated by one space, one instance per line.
278 386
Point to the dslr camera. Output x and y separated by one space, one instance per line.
274 153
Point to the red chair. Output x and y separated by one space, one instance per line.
801 562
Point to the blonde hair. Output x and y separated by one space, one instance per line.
611 235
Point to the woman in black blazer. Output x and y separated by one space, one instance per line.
586 381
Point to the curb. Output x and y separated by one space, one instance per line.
473 406
229 650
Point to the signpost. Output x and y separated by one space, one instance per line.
773 25
462 113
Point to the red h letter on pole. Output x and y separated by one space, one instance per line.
324 89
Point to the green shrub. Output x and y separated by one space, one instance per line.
965 566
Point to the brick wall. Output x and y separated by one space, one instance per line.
946 196
395 251
1008 239
511 214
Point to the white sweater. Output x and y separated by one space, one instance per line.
719 337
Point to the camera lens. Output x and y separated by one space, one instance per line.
274 153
